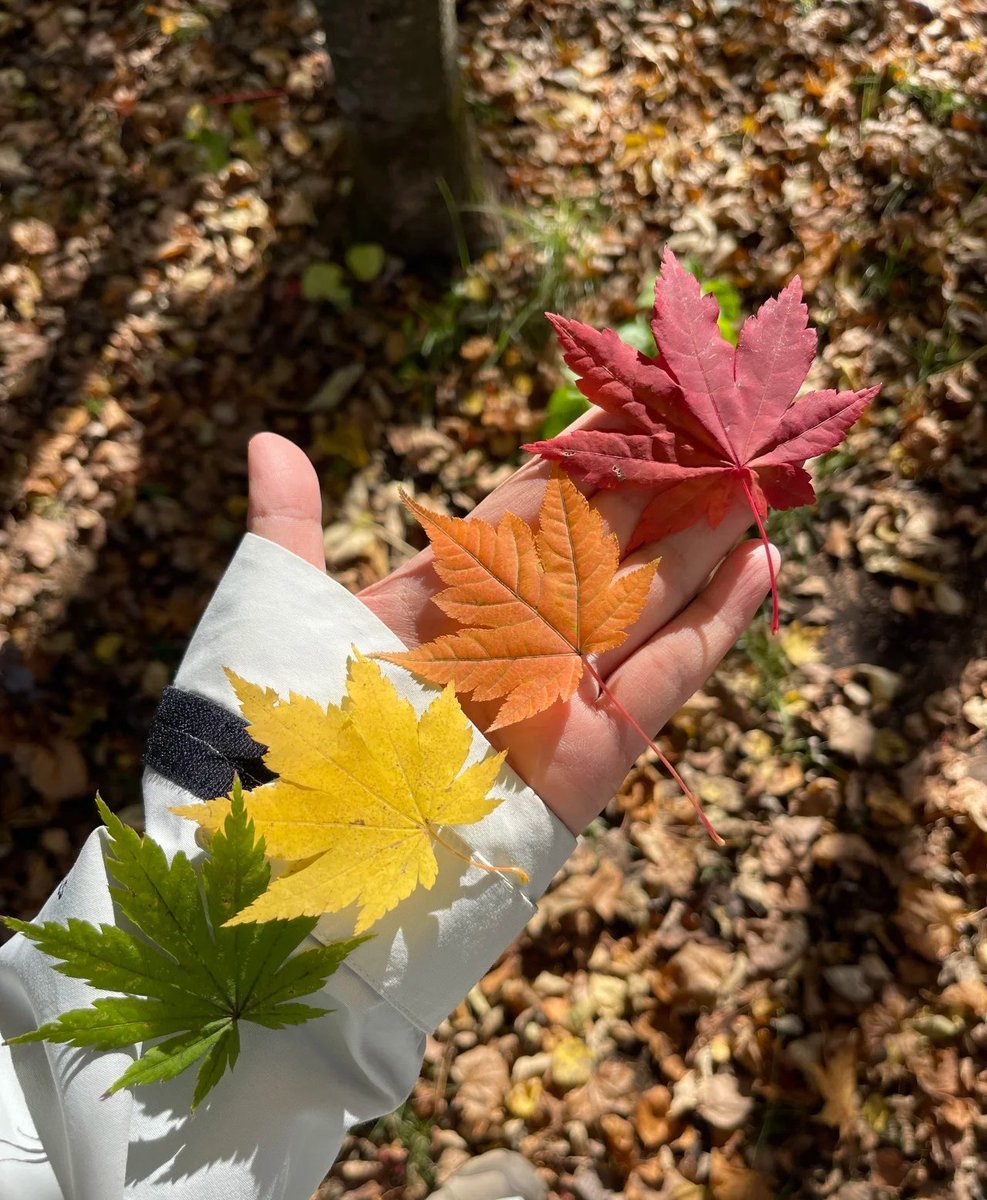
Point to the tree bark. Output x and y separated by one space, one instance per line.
398 88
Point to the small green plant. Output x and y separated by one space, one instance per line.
896 276
771 663
565 405
327 281
414 1132
220 136
365 261
776 692
245 143
834 463
214 144
788 529
938 104
440 327
637 333
567 402
872 86
559 239
881 277
324 280
728 298
941 351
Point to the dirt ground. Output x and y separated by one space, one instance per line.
800 1014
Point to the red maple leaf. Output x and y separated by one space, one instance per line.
708 420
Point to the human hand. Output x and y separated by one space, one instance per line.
574 755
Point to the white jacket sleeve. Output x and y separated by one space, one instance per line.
273 1127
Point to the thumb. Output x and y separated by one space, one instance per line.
285 503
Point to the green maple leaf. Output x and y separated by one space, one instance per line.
184 978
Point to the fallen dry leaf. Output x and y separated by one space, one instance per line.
930 919
610 1088
776 943
57 770
830 1063
730 1179
572 1063
721 1103
674 856
698 972
716 1098
651 1116
482 1081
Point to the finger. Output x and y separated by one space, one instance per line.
285 504
622 509
660 677
687 559
523 493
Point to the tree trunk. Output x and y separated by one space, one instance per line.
398 87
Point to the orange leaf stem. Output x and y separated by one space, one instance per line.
775 616
686 790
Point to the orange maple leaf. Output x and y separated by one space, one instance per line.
535 603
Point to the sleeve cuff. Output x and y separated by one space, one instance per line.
277 620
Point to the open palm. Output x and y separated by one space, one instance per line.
574 755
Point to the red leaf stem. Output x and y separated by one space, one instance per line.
686 790
775 616
248 97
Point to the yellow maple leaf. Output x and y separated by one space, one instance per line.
364 789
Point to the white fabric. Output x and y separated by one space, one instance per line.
272 1128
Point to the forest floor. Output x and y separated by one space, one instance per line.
799 1014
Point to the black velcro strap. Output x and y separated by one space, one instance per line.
200 746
